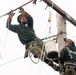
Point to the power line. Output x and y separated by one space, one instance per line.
11 61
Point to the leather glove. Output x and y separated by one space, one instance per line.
22 11
11 14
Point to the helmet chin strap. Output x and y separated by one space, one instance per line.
24 22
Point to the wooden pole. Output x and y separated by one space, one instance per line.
61 26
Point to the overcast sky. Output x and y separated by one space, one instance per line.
10 46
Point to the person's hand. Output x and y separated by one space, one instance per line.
22 11
11 14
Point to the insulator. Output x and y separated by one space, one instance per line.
49 19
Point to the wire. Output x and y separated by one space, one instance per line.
11 61
4 45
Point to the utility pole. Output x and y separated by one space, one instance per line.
61 26
61 31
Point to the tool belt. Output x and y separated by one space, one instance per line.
70 68
35 47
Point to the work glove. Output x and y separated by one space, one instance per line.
22 11
11 14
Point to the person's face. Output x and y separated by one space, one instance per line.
23 19
67 44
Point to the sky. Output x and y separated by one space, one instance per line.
12 51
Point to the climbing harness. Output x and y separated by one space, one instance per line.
70 68
69 52
36 47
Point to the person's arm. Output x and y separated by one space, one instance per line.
30 21
8 23
28 16
62 56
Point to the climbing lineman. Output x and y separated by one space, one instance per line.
25 32
66 59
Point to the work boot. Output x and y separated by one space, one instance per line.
26 54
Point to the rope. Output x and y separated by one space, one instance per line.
31 58
49 21
38 57
4 45
11 61
42 58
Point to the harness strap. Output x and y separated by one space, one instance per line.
70 68
69 52
36 47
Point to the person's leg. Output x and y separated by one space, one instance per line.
26 52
